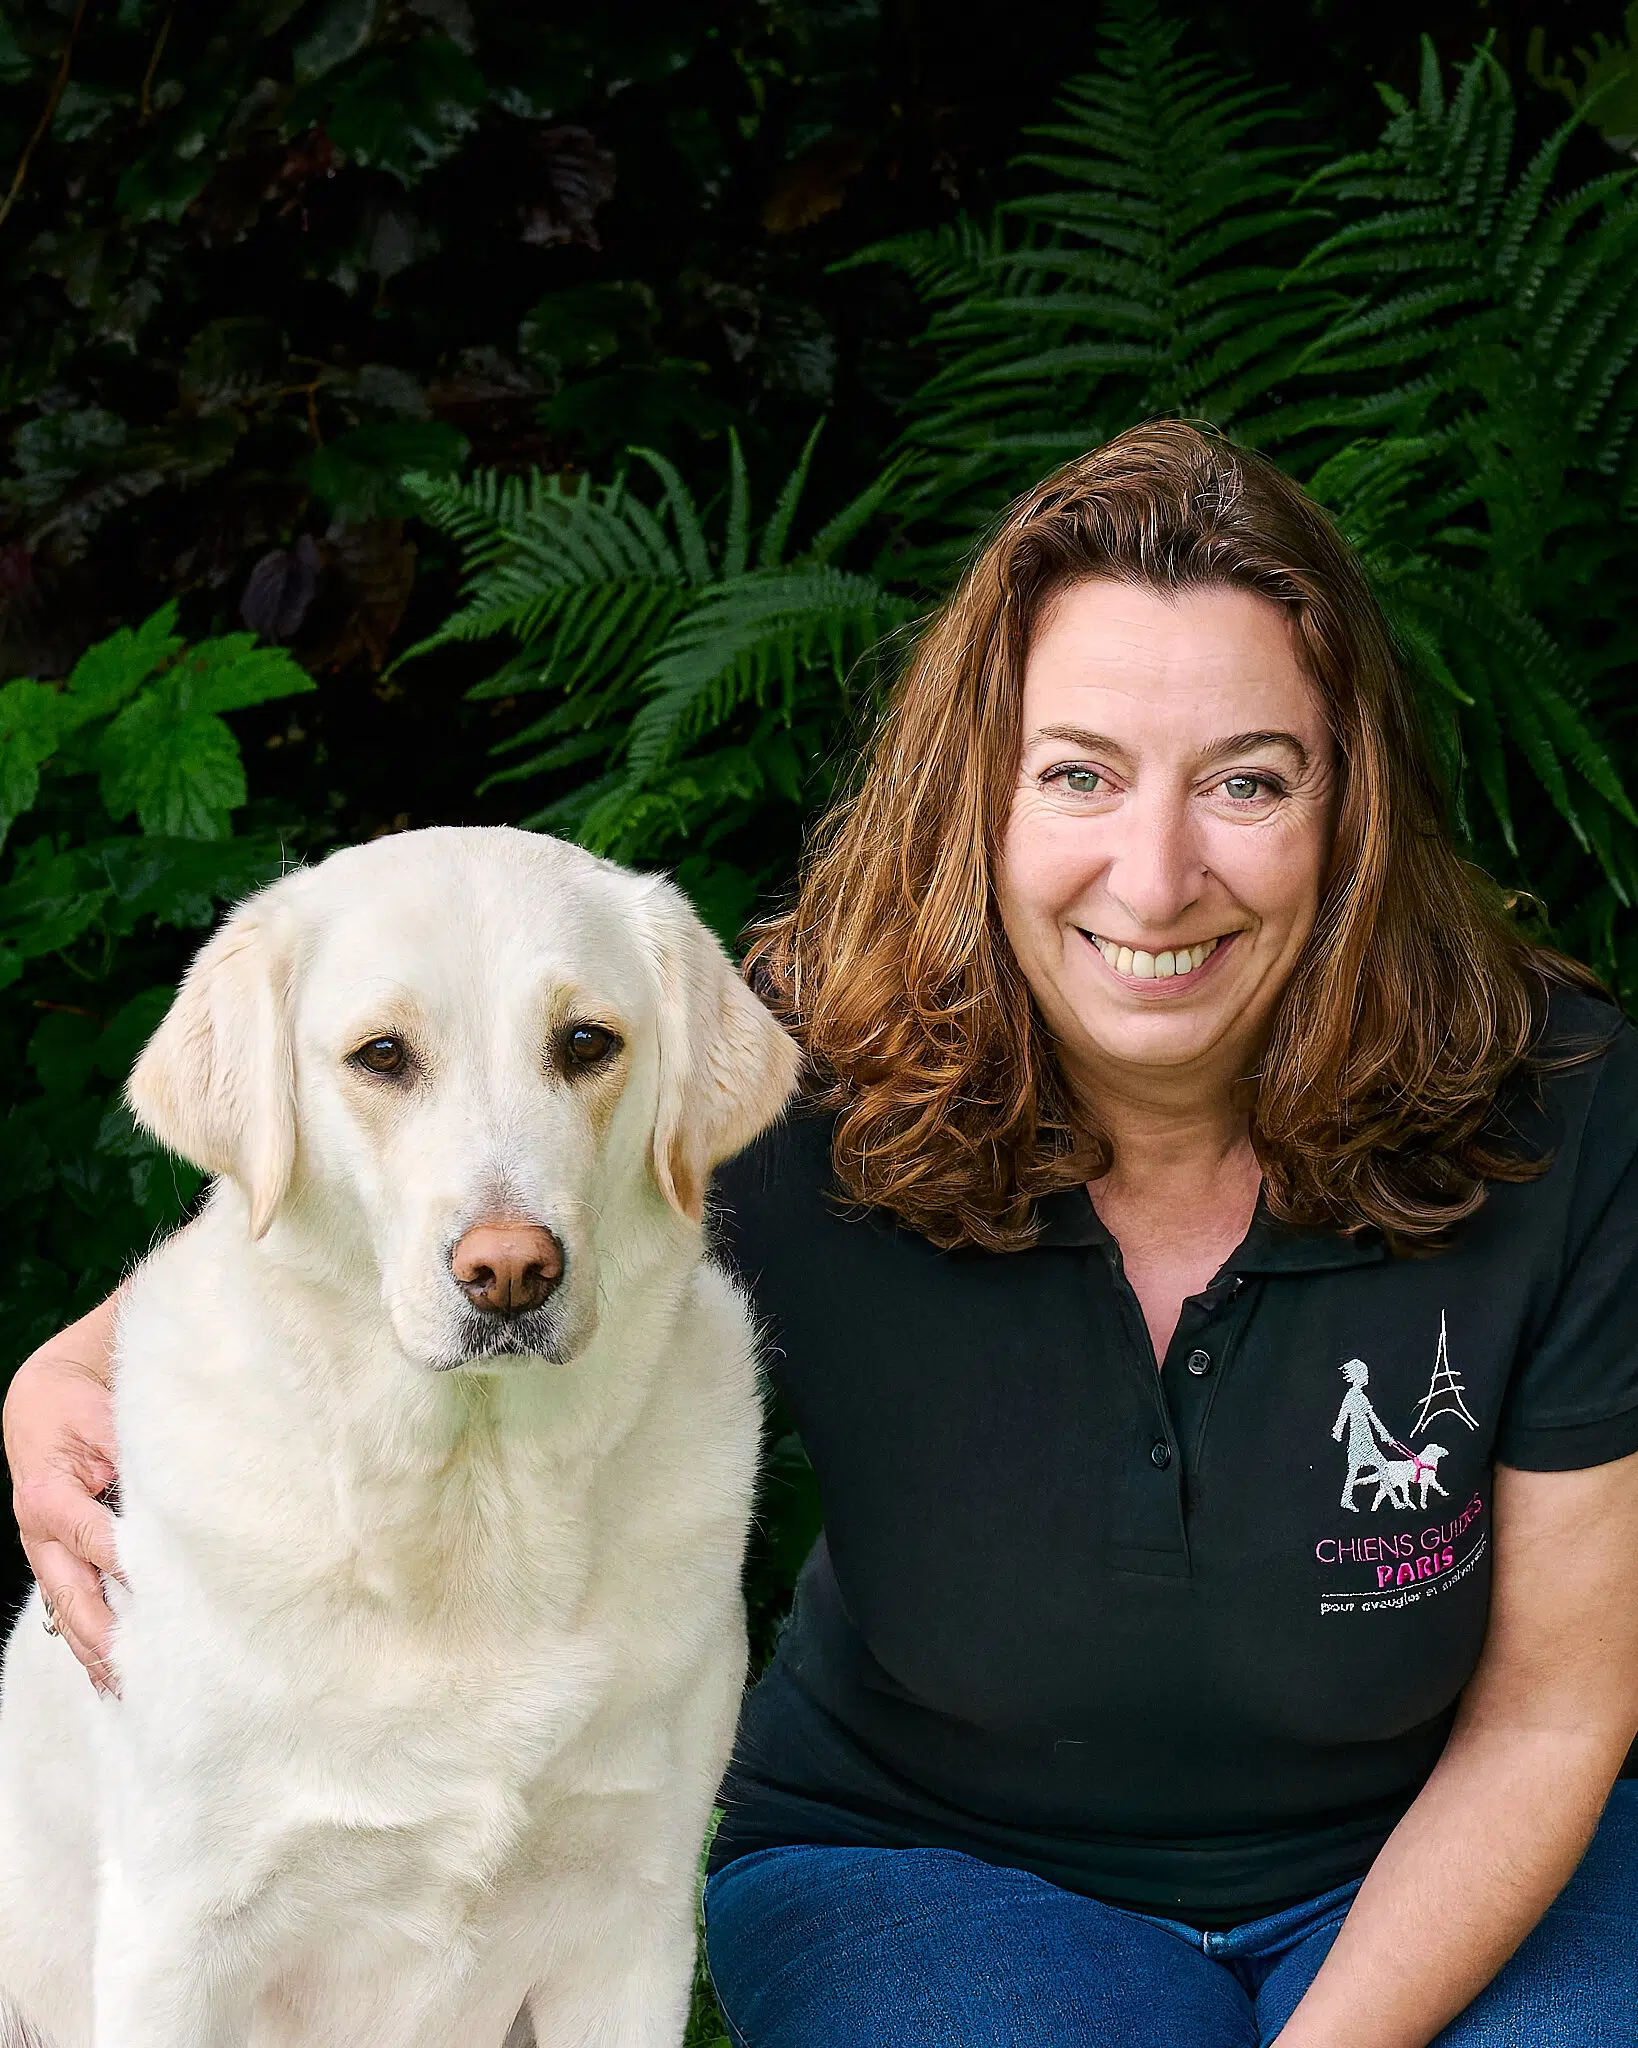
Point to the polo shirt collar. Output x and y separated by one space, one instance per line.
1068 1219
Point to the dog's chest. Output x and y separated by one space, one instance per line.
393 1771
410 1671
470 1669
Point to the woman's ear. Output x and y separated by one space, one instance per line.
726 1068
216 1082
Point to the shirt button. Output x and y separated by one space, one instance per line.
1160 1453
1199 1363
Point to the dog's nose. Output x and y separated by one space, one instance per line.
505 1268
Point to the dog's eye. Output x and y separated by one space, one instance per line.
588 1045
384 1055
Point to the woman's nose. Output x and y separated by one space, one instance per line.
1157 867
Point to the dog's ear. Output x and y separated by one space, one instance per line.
726 1068
216 1082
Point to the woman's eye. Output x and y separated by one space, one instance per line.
589 1045
384 1055
1242 789
1080 781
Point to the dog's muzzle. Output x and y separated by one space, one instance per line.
509 1269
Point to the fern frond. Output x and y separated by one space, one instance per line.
744 636
777 531
685 515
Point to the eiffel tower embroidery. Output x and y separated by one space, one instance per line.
1445 1391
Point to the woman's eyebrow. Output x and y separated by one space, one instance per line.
1078 736
1248 742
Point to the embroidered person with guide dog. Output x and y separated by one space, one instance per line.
1204 1275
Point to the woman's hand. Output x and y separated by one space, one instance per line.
1540 1735
59 1435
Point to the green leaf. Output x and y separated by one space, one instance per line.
776 534
63 1051
179 882
177 768
15 65
650 648
128 1031
230 360
737 540
160 185
407 110
231 671
724 895
114 669
1145 282
635 402
51 451
685 517
836 533
31 722
51 899
586 325
360 474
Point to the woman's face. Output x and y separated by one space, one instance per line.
1162 863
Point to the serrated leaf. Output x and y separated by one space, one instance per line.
178 769
231 671
31 723
112 671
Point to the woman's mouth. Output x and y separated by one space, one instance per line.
1179 963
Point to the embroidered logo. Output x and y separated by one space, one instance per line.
1407 1565
1369 1439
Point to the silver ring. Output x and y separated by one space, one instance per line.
51 1625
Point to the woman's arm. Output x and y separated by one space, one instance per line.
1539 1738
59 1434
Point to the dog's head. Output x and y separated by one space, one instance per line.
480 1067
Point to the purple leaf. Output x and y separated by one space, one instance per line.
280 589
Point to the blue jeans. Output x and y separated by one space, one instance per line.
925 1948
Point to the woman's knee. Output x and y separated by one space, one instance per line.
839 1948
922 1948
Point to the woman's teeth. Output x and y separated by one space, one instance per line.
1155 966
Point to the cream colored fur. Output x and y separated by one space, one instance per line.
429 1664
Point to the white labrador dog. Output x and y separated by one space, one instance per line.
438 1437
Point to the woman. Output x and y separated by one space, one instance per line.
1206 1282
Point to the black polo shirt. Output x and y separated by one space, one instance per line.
1187 1640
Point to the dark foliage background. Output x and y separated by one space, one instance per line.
420 411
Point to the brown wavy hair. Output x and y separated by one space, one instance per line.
1417 995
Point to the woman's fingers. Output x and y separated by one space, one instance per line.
74 1593
59 1436
68 1538
60 1507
